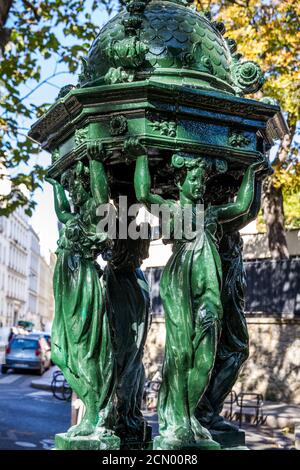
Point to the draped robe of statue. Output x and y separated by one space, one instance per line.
233 347
81 344
128 303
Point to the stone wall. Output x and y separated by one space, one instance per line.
273 367
154 350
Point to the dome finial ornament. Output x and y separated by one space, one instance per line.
164 40
186 3
220 26
136 6
128 54
247 77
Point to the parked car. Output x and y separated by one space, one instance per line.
30 351
47 337
44 334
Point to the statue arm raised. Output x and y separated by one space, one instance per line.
61 203
142 183
99 183
142 177
245 219
98 178
244 200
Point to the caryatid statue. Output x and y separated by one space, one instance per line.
161 97
191 287
233 346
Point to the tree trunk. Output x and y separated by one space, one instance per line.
272 205
5 6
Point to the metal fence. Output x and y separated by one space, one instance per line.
273 287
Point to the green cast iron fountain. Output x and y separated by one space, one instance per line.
158 116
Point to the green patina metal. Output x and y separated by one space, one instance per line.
159 116
193 276
168 41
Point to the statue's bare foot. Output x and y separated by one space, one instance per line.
203 437
200 432
102 431
85 428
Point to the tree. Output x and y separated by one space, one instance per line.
36 31
268 32
36 35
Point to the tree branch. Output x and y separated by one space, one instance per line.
5 6
240 4
35 10
285 146
41 84
36 88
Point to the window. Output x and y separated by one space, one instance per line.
19 343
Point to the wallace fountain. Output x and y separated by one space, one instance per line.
158 118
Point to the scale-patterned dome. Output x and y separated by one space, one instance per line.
170 41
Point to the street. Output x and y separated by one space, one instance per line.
29 418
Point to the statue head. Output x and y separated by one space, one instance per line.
194 172
77 182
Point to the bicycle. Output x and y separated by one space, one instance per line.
60 387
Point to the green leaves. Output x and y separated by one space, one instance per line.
269 33
43 33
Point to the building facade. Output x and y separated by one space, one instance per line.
25 276
33 271
4 250
45 306
13 267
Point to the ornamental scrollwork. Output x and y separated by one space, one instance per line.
129 52
118 125
81 136
247 77
55 156
238 139
168 128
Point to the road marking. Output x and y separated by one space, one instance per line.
43 393
9 379
25 444
47 444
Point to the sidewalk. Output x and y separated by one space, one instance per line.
44 382
257 437
276 433
278 415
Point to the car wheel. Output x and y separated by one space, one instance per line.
4 369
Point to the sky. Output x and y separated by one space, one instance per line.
44 219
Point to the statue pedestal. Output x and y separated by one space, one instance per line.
134 443
63 442
230 439
159 443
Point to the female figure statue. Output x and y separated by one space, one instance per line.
191 293
81 344
128 303
233 347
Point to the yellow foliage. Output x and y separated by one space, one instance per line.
267 32
287 178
